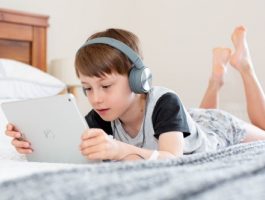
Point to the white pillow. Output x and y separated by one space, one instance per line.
22 81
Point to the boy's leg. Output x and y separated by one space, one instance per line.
241 61
221 57
253 133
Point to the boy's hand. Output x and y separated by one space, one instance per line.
22 146
97 145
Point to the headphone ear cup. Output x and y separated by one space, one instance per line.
140 80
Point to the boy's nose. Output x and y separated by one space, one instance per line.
97 97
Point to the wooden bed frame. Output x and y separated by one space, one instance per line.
23 37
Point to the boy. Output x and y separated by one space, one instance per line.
147 122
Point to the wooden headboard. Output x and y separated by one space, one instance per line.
23 37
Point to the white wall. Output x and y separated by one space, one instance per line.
177 37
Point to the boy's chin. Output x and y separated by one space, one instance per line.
107 118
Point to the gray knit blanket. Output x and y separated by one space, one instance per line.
237 172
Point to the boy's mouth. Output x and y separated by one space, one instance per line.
102 111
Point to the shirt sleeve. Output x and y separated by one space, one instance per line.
95 121
169 115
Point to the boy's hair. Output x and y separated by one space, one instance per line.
100 59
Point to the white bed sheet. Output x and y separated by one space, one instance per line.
14 165
14 169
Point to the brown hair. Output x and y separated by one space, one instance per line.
100 59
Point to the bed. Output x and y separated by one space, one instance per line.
237 172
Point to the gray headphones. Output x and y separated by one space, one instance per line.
140 77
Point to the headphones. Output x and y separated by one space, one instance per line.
140 77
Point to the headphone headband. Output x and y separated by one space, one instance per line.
131 54
140 77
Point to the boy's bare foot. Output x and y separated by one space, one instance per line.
240 59
221 58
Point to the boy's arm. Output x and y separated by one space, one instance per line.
170 145
97 145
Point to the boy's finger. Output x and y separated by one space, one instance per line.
9 127
20 144
13 134
86 143
90 133
24 151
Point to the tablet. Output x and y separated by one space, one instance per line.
53 125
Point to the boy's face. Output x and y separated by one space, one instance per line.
109 95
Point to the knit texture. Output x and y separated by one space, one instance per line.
236 172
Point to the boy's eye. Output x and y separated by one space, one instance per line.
87 89
106 86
